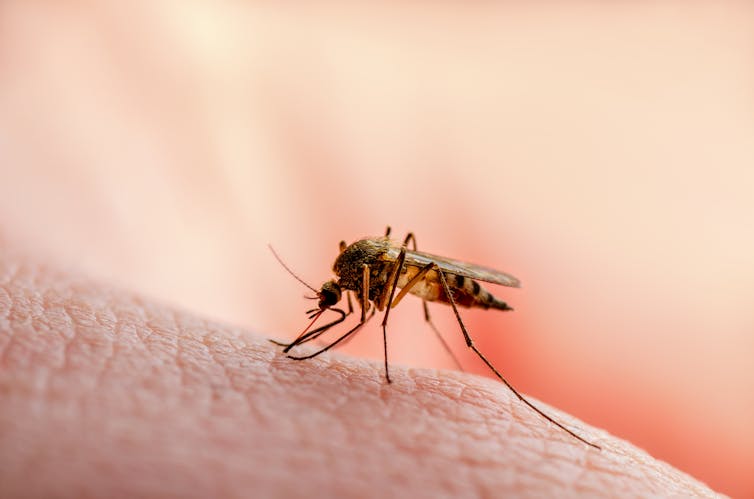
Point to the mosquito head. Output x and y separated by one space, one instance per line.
329 295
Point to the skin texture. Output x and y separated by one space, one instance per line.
105 393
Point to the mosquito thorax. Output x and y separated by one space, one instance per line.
329 295
349 264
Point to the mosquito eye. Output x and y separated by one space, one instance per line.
327 299
329 295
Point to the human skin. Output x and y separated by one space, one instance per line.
108 394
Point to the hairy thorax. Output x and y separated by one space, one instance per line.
349 266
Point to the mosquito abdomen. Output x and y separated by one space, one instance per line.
467 292
480 297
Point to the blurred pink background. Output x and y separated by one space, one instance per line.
602 154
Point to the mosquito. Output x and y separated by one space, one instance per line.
373 269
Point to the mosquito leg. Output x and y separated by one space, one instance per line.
417 277
313 334
410 237
328 347
442 340
470 344
371 314
316 333
394 276
364 291
410 284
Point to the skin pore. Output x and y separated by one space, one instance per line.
105 393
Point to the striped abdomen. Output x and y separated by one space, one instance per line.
466 291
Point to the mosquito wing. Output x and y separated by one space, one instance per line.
457 267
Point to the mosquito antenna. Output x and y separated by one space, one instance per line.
277 257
